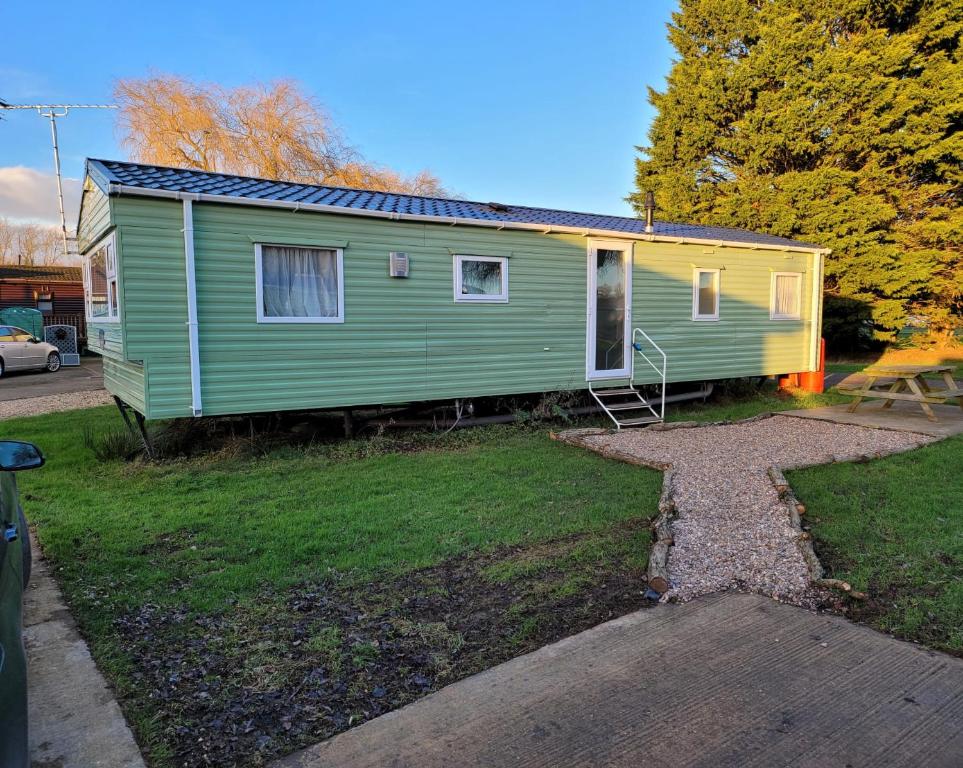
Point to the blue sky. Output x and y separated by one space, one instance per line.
527 102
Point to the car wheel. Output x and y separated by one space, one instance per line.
1 366
53 362
25 544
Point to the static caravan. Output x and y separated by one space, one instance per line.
215 294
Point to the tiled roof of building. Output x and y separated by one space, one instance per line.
185 180
54 273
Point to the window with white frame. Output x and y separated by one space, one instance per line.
481 279
705 294
299 284
101 293
786 298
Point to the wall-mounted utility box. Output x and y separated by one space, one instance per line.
398 264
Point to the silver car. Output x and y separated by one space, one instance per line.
22 351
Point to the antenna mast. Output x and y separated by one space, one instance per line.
52 112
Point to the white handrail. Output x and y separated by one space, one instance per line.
661 371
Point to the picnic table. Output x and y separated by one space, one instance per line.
901 378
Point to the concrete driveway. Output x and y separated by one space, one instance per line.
87 377
723 681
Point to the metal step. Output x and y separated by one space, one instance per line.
639 421
607 392
628 406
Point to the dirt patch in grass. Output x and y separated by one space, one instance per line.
293 667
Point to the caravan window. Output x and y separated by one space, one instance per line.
705 294
785 301
299 284
100 283
481 279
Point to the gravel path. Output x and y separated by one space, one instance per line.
34 406
732 531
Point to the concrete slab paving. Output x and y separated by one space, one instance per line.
902 416
727 680
75 721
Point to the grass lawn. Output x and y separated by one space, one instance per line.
894 528
246 605
743 405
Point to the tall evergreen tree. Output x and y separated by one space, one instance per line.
836 121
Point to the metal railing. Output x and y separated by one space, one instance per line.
637 346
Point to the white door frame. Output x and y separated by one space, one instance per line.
591 373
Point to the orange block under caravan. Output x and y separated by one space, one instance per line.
809 381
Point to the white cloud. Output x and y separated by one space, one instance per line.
29 195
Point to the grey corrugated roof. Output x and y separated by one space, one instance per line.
149 177
53 273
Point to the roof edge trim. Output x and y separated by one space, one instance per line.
124 189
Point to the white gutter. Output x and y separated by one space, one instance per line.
545 229
192 307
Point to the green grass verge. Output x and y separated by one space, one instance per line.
211 529
894 528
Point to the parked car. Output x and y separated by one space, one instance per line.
14 576
20 350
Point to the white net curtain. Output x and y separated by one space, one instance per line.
787 296
299 282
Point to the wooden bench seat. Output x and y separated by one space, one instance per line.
933 396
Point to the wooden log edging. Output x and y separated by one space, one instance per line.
658 569
670 425
657 573
804 540
795 508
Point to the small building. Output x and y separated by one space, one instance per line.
54 290
215 294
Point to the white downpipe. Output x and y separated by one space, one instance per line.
817 296
192 308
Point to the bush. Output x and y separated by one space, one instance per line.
112 444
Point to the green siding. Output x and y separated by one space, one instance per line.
126 380
406 339
106 339
155 299
744 341
169 383
94 216
402 339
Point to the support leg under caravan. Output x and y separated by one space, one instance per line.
141 426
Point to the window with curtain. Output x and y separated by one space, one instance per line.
481 278
299 284
705 294
786 296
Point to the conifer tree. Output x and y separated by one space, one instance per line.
834 121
